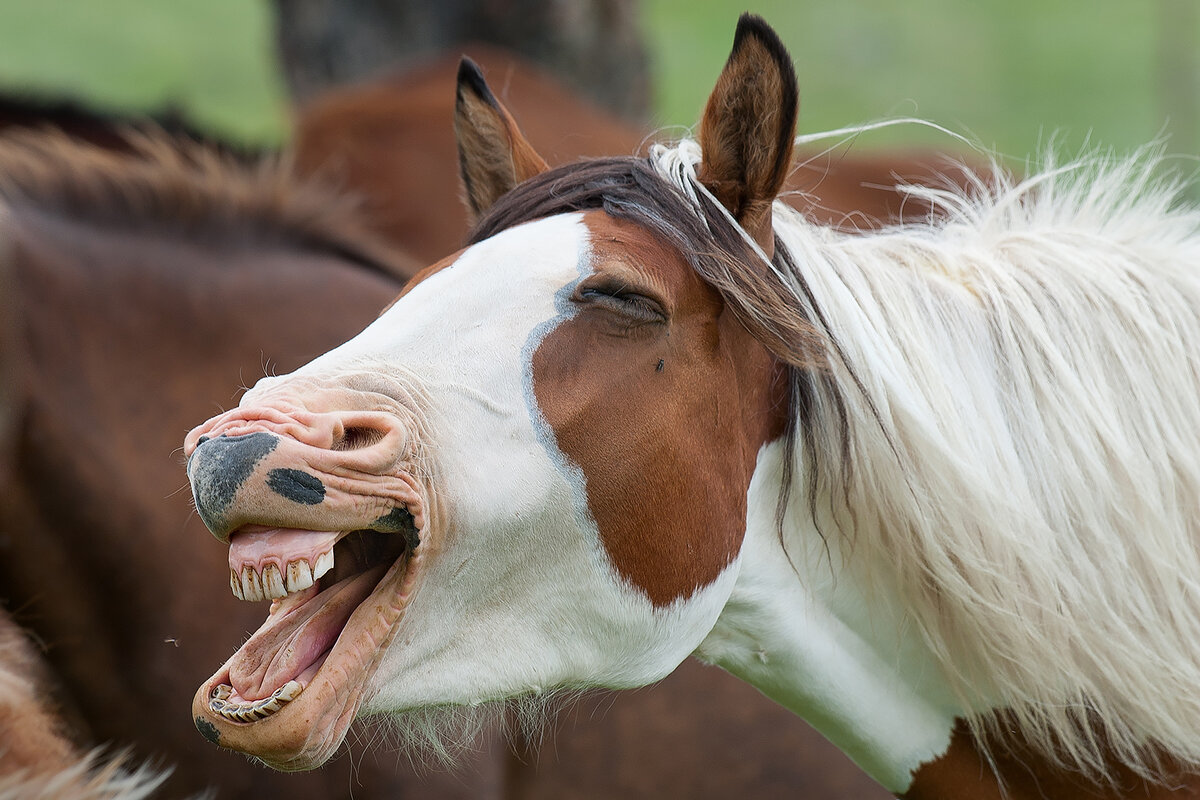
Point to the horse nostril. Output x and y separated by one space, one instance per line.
358 437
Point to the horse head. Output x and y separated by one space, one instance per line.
530 472
623 425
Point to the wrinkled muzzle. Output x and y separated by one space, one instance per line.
316 494
285 465
265 479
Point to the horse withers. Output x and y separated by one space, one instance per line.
930 488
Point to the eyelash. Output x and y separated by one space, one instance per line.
646 309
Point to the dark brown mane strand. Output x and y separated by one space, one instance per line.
187 188
629 188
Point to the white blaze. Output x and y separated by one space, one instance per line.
518 593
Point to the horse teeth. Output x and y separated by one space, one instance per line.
288 691
251 587
272 582
220 704
299 575
324 564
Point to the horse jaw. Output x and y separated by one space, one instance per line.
512 592
304 730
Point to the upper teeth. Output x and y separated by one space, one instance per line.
271 583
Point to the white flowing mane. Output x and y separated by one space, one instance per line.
1021 452
94 777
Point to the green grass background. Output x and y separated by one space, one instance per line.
1006 72
211 59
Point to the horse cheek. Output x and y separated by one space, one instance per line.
642 458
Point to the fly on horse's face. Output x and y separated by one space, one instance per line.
529 473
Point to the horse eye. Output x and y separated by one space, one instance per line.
623 300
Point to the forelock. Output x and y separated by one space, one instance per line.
633 189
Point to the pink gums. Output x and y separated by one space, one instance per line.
257 547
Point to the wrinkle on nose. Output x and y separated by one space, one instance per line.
316 430
319 430
363 440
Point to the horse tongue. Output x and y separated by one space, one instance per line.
256 545
296 637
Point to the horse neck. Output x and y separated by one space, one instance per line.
796 626
812 635
815 636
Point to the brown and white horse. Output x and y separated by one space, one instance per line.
138 284
931 488
125 281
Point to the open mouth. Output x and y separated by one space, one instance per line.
335 598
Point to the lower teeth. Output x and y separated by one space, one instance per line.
220 704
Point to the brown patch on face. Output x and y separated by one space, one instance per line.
663 400
963 771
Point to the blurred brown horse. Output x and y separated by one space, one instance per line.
137 292
130 285
384 139
38 755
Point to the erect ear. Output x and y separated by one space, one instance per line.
493 155
748 127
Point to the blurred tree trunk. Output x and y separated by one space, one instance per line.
595 46
1179 72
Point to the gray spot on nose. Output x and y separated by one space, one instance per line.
220 466
296 485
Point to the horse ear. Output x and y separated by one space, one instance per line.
493 155
749 123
